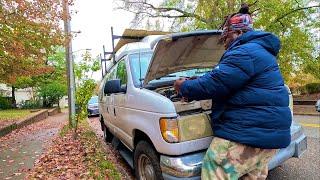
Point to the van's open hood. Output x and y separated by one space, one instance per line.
182 51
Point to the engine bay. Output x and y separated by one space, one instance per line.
181 105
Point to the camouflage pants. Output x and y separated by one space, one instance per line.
230 160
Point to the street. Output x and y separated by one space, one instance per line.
307 167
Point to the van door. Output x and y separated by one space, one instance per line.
107 103
120 100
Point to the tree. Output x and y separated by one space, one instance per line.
313 67
52 93
85 85
29 30
52 86
294 21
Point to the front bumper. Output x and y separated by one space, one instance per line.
189 166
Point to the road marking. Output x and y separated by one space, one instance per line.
310 125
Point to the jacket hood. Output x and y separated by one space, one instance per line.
267 40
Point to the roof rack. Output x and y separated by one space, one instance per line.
128 36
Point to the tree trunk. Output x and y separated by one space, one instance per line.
13 99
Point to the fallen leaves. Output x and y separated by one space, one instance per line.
111 154
70 158
63 160
20 148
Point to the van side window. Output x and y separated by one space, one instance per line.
109 76
122 73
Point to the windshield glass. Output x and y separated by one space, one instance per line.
93 100
145 59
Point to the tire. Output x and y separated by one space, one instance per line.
107 135
146 162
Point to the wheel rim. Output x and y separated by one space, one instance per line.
146 170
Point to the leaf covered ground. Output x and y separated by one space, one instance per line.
20 148
75 158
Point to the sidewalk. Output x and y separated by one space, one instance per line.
20 148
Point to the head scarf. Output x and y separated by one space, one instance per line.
239 21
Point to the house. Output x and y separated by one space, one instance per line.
20 94
26 94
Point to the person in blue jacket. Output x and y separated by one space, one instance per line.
251 117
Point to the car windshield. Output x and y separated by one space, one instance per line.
93 100
138 74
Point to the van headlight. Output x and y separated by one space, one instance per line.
169 129
186 128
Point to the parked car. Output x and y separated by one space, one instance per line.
158 134
93 106
318 106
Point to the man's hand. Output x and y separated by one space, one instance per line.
177 84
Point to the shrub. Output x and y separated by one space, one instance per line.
5 103
51 93
308 88
312 88
31 104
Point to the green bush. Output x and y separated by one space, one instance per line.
313 88
309 88
31 104
52 92
5 103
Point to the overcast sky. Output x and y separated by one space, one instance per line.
94 19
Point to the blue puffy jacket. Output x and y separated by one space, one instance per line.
250 99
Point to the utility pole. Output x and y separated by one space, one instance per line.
69 59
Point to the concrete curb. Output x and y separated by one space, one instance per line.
307 114
38 116
54 111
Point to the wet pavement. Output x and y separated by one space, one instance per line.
20 148
307 166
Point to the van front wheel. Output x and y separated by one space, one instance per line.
146 162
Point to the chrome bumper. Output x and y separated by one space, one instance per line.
182 166
189 166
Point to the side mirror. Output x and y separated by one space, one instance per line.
112 86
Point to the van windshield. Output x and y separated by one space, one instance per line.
145 59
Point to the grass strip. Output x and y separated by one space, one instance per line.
95 157
13 114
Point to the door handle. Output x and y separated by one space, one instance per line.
114 111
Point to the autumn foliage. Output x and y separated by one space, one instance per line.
28 31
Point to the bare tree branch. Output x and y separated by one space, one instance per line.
295 10
254 3
163 10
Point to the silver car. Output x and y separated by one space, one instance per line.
318 105
158 134
93 108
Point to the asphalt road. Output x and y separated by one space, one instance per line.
308 166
